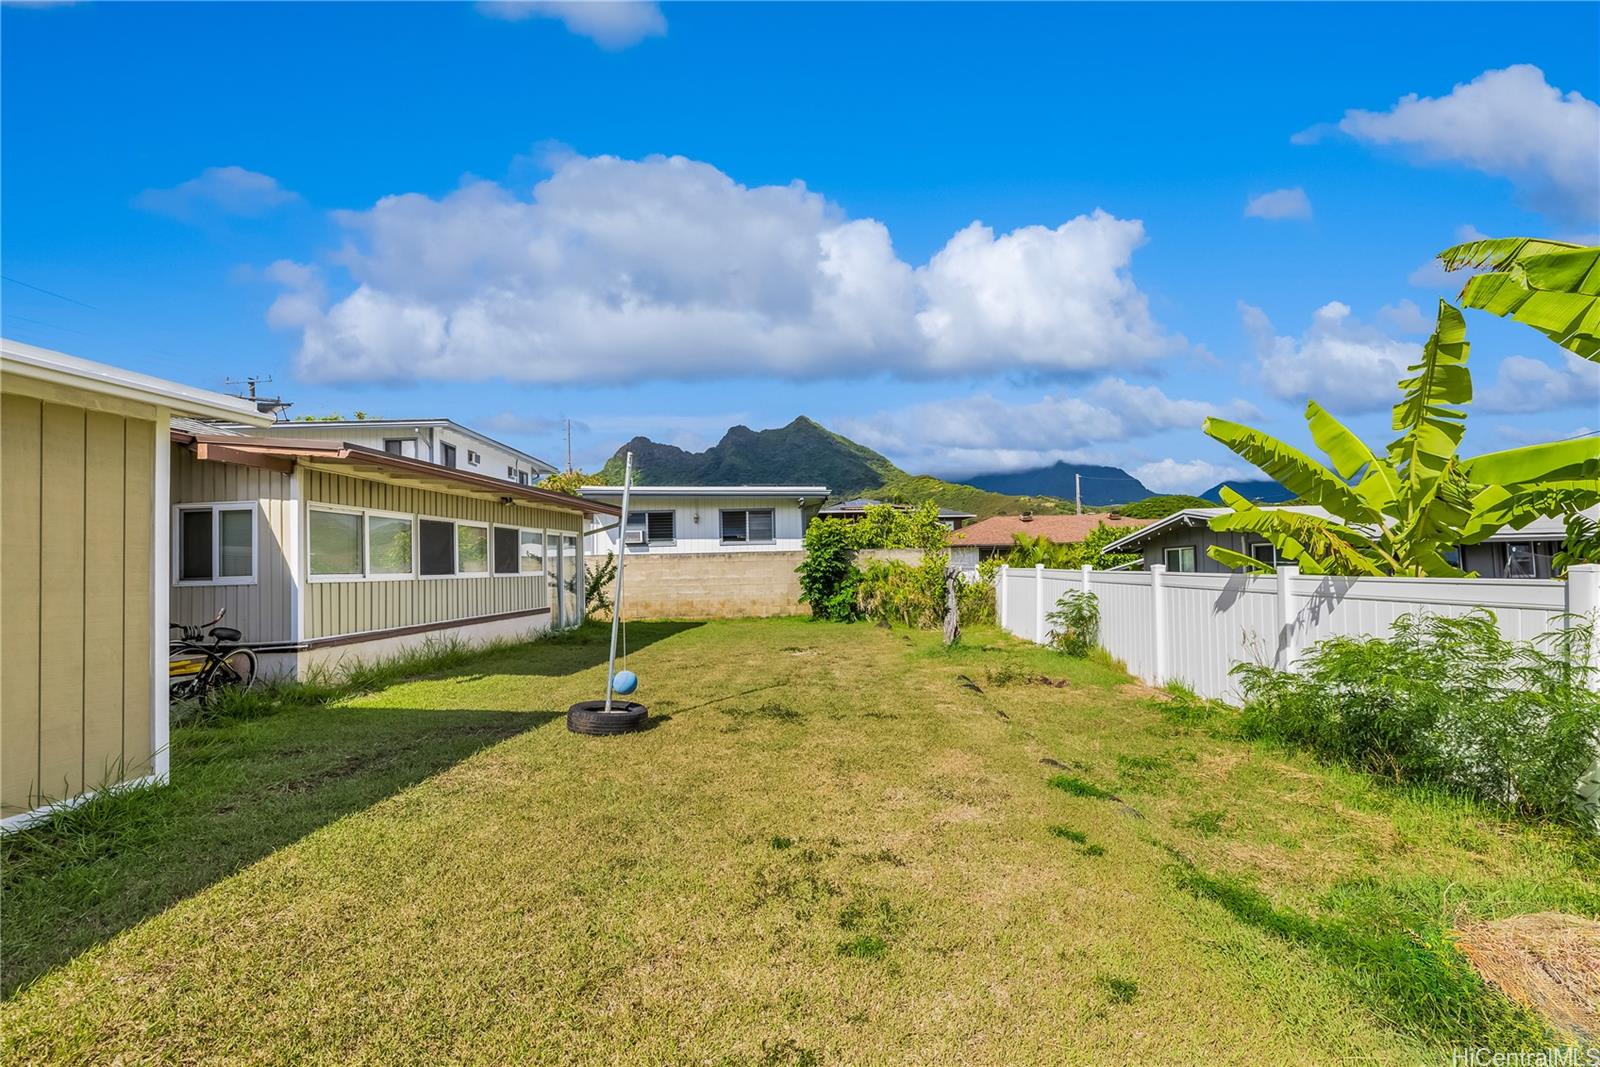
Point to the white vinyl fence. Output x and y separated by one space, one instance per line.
1192 628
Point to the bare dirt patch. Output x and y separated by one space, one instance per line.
1549 962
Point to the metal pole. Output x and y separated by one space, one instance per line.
622 554
1077 491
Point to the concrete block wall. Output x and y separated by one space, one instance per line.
712 585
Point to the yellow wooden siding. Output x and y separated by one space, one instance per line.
263 612
76 488
338 608
19 601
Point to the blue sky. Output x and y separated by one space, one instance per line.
974 237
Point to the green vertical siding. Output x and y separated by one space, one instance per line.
335 609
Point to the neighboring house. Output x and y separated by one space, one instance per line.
1180 541
685 519
996 536
852 510
439 441
84 496
323 549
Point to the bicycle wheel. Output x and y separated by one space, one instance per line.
238 668
186 667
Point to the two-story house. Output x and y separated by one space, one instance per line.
440 441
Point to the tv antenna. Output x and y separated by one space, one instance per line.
267 405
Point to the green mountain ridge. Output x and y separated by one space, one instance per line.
807 453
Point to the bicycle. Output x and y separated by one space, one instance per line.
196 669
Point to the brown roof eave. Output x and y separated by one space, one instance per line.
232 449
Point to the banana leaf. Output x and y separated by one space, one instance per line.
1292 469
1549 285
1238 560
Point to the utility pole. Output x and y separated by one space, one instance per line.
1077 491
569 446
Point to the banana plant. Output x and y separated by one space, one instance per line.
1549 285
1401 512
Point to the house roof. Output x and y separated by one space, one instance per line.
344 458
289 429
1541 529
999 531
1195 517
818 491
43 364
860 504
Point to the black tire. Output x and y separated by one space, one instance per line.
238 669
590 717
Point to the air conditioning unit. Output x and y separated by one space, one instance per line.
634 537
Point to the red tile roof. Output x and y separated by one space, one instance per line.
1062 529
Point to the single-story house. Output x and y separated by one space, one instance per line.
84 514
851 510
996 536
697 519
440 441
1180 541
322 549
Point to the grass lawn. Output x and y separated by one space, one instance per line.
838 844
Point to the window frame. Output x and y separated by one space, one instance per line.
366 545
400 441
1194 559
448 454
543 536
474 458
337 509
1532 559
647 512
216 506
1274 562
722 514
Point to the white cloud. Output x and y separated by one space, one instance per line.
667 268
982 434
1524 385
612 24
1190 476
1406 316
1343 364
1509 123
222 190
1279 204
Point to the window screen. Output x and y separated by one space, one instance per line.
760 525
733 526
661 525
1263 551
335 543
236 535
388 545
194 554
447 455
437 543
472 556
505 550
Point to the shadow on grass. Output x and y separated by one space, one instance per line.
240 790
1402 964
569 651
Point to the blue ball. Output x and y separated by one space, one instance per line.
624 682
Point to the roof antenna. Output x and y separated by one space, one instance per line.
569 446
267 405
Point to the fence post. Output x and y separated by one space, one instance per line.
1038 596
1086 569
1583 599
1000 595
1158 612
1287 630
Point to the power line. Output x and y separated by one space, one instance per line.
46 292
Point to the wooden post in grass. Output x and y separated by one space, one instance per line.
952 606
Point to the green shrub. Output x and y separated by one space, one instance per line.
1446 701
1075 624
828 574
975 599
895 592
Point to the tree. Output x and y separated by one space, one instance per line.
567 482
1549 285
1399 513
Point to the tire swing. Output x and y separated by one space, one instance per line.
612 716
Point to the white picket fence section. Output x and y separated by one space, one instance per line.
1193 628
